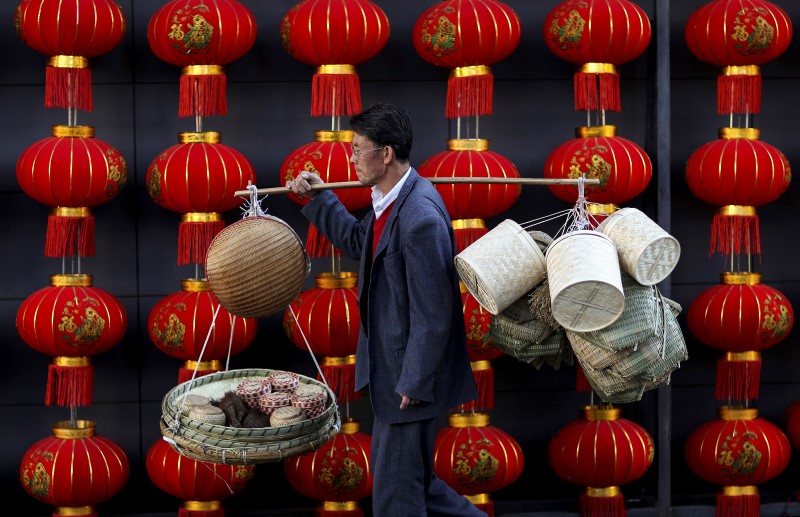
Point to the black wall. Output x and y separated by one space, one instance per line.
269 93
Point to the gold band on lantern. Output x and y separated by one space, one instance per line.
609 491
738 491
740 278
202 217
479 366
345 135
600 413
350 426
468 144
203 70
598 68
73 511
462 287
334 360
741 70
71 211
478 498
63 61
195 285
470 71
747 356
71 280
72 131
339 506
67 361
202 506
341 280
460 421
595 131
202 366
598 209
336 70
737 413
468 224
737 211
202 137
745 133
64 430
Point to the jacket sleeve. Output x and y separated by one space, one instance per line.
332 219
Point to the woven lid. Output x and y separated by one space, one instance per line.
275 399
308 400
253 388
284 381
208 414
286 415
306 389
194 400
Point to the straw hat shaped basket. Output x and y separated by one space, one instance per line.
256 266
242 445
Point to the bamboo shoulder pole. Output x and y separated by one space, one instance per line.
356 184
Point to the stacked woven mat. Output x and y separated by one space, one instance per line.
589 294
196 436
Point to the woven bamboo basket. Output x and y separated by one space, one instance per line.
594 356
585 284
612 388
256 266
517 333
646 251
242 445
501 266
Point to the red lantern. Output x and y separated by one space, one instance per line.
202 36
476 458
740 316
72 321
601 451
329 157
623 168
791 422
334 36
469 204
70 32
738 37
199 177
738 173
71 171
202 486
338 473
597 35
467 36
326 319
737 450
183 325
74 469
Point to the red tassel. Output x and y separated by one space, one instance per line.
581 382
70 382
739 501
466 236
194 238
339 509
69 235
602 502
335 93
341 379
470 94
484 379
318 245
203 95
67 87
738 376
597 91
201 509
733 233
738 94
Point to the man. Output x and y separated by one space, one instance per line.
412 347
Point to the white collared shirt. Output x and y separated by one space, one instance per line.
380 202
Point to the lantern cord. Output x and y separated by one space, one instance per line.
230 344
311 353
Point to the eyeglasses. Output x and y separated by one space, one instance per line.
361 152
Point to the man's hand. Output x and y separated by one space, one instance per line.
404 403
301 185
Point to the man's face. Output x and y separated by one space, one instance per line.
368 159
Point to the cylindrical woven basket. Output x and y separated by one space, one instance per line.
501 266
646 251
585 283
256 266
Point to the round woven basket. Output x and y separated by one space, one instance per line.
646 251
501 266
585 283
256 266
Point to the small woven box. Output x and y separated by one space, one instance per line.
312 403
286 415
271 401
284 381
193 400
208 414
251 390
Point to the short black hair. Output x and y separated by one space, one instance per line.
386 124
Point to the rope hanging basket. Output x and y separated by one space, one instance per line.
210 442
257 266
